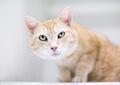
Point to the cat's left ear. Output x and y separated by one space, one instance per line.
65 16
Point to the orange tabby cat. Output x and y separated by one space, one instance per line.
81 55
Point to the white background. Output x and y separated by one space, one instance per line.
17 63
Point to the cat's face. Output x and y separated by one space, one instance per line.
53 39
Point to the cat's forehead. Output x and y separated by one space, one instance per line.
51 26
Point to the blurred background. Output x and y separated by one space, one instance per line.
17 62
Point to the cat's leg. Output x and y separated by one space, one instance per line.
82 71
112 77
65 75
84 67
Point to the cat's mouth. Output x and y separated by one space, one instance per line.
56 54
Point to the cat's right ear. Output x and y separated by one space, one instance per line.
31 23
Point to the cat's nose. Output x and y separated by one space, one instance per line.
54 48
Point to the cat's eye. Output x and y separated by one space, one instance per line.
43 38
61 35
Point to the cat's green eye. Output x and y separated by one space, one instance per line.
43 38
61 35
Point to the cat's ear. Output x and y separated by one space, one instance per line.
65 15
31 23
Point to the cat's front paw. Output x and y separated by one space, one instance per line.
64 80
79 79
60 80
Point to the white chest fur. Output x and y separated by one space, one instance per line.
70 62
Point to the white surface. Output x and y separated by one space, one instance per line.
38 83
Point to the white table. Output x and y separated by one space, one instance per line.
39 83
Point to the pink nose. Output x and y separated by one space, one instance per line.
54 48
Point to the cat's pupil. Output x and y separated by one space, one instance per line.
61 34
42 38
